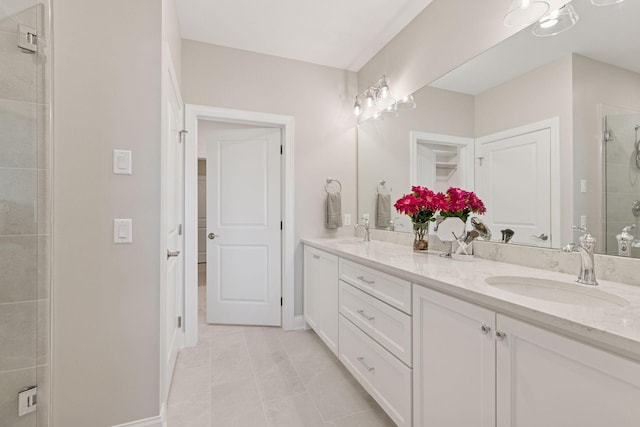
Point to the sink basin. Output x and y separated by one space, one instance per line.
551 290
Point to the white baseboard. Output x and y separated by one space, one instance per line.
158 421
299 323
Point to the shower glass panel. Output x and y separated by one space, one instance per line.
622 181
24 211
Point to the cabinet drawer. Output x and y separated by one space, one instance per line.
391 328
393 291
386 378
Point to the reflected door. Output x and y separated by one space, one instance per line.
514 181
243 227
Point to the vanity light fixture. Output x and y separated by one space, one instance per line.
556 22
522 13
357 109
605 2
377 99
406 103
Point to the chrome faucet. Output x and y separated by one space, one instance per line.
393 223
587 274
365 226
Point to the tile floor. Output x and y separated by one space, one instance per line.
257 376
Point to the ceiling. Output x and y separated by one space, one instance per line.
335 33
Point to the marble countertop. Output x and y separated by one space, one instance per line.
615 328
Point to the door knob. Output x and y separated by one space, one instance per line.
542 237
172 254
213 235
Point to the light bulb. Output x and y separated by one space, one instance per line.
369 99
357 109
384 88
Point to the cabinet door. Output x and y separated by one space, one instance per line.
453 362
310 289
545 379
328 300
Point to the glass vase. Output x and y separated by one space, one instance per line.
420 236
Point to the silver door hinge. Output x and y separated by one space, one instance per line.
480 159
183 135
27 39
180 230
27 401
281 149
281 225
281 302
179 321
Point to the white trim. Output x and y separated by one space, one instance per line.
299 323
553 124
147 422
193 113
168 78
466 155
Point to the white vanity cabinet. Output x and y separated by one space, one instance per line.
545 379
453 362
473 367
321 295
375 336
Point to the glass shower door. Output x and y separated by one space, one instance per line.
24 213
622 180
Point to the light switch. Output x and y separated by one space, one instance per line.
122 231
122 162
583 221
347 219
583 185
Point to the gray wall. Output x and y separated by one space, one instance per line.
320 100
106 297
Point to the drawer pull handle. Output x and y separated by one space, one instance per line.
369 368
485 329
363 314
500 335
368 282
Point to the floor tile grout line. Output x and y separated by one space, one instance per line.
306 390
255 380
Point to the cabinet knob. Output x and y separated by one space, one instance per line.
500 335
485 329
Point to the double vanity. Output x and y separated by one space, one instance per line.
443 343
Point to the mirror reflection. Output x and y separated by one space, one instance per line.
545 129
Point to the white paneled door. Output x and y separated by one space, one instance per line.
514 181
244 267
173 186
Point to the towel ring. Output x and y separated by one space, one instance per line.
382 187
331 180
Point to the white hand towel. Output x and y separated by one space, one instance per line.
383 210
334 211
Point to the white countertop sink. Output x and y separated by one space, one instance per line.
555 291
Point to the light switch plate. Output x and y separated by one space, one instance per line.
122 162
583 185
122 231
347 219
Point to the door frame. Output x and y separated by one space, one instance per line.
168 79
193 113
466 153
553 124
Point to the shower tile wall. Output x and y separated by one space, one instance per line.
24 213
623 179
